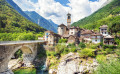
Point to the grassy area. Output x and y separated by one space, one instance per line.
25 71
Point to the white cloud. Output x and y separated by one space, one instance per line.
50 9
96 5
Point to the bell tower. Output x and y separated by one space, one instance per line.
68 20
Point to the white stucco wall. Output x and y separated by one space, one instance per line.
46 36
61 30
72 31
103 32
98 39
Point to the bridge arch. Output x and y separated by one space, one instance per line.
26 49
29 53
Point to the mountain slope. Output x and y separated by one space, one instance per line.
53 24
106 15
16 7
12 22
42 21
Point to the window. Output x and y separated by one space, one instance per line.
71 32
68 17
96 37
96 40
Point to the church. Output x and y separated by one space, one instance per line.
76 35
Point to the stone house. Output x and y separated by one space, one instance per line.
96 38
104 30
46 35
73 39
86 33
85 36
108 40
52 38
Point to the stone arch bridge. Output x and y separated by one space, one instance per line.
8 48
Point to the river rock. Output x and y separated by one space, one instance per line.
73 64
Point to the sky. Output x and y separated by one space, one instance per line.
57 10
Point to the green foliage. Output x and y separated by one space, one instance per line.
71 45
18 54
17 36
40 34
27 36
106 15
41 52
117 40
12 22
51 53
109 46
73 50
87 52
62 41
66 51
101 58
25 71
60 48
110 67
117 52
95 46
82 45
109 50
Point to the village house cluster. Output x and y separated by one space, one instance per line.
76 35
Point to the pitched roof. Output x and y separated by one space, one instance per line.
68 14
109 36
61 25
49 32
54 34
96 34
86 32
104 26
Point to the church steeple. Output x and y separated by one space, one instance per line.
68 20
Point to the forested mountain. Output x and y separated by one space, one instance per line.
42 21
12 22
16 7
34 17
109 15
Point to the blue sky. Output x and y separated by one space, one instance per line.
56 10
63 2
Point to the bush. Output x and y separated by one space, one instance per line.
117 52
18 54
17 36
109 46
62 41
95 46
71 45
60 48
73 50
51 53
109 50
87 53
27 36
110 67
82 45
101 58
66 51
